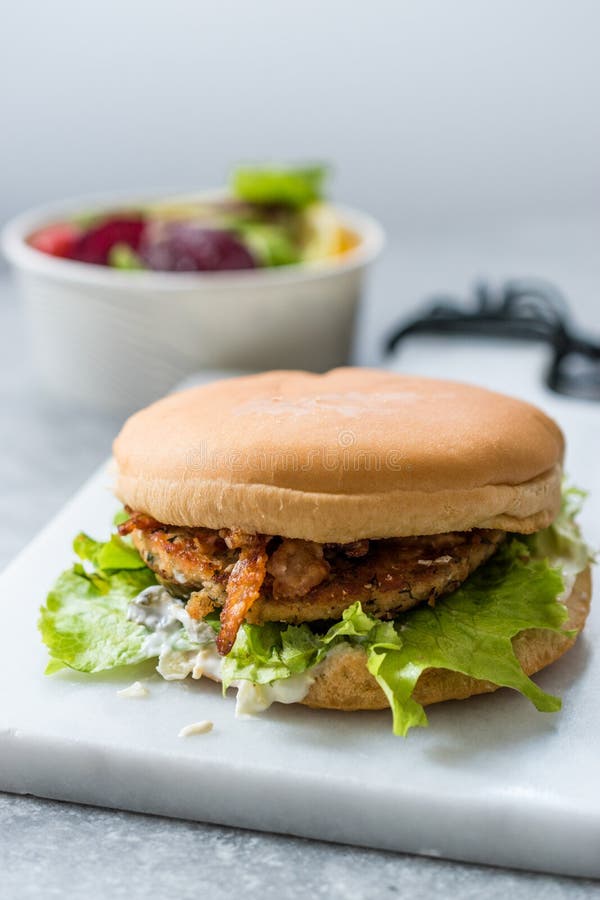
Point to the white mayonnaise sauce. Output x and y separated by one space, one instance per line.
164 616
568 581
255 698
191 650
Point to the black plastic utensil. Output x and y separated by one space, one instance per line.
521 310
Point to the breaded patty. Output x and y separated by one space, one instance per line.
186 559
394 575
305 581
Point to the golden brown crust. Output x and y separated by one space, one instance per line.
352 454
394 576
308 582
345 683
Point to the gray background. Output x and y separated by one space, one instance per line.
438 115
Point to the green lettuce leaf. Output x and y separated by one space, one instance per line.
122 256
120 516
562 542
278 185
112 555
471 632
84 621
266 653
270 244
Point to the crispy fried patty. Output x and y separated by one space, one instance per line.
306 582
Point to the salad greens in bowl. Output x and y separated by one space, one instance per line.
269 217
125 295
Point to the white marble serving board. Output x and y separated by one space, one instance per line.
491 780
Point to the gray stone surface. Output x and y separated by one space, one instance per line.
51 849
59 850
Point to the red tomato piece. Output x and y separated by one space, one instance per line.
56 240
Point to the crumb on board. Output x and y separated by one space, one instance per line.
196 728
135 691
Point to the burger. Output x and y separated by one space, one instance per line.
352 541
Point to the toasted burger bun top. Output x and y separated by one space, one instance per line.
355 453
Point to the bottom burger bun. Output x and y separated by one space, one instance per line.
345 683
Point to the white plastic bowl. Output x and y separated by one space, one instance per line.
116 340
